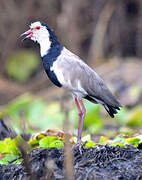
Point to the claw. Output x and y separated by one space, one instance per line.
78 146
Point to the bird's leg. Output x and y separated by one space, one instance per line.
82 119
80 113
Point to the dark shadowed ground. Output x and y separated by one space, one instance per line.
101 162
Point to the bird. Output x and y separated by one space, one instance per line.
67 70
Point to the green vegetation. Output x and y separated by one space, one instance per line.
9 148
31 114
40 115
21 65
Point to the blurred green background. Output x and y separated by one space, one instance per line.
107 35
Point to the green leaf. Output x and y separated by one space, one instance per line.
118 139
139 137
86 138
126 131
117 144
132 140
33 142
9 146
57 144
10 157
103 140
51 141
90 144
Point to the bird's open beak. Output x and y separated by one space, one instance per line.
29 34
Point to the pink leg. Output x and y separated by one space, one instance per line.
82 119
81 114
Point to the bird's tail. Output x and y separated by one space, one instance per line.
111 109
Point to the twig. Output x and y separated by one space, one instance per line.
68 156
23 147
12 161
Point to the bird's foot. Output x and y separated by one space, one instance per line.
78 146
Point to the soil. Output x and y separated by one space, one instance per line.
99 163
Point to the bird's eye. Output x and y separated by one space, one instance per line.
38 27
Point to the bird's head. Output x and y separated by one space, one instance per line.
40 32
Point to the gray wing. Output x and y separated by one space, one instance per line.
75 70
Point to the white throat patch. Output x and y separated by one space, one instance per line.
44 47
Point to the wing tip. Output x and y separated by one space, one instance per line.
112 110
